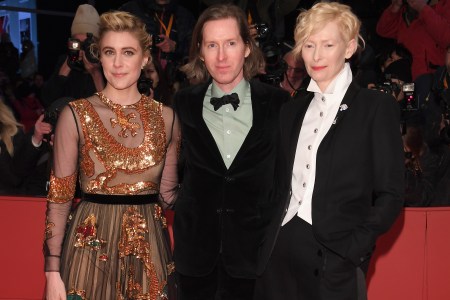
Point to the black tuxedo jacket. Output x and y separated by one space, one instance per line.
359 183
219 210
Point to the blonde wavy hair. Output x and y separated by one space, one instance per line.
8 126
120 21
312 20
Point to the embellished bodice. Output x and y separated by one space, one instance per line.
122 148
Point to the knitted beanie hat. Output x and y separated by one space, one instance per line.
86 20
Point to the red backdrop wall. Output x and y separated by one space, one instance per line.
411 261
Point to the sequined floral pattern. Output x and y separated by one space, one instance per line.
86 235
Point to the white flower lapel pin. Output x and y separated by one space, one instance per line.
343 107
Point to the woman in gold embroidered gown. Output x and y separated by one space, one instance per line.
122 146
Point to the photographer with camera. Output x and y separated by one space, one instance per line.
424 30
263 14
170 25
398 74
78 74
19 152
439 141
442 93
295 77
155 83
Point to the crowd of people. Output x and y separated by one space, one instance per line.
254 138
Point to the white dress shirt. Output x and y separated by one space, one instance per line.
318 119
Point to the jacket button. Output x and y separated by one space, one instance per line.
229 179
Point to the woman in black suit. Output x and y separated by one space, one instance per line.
343 178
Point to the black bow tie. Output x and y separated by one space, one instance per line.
232 99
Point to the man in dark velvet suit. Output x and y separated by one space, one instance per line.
229 147
342 177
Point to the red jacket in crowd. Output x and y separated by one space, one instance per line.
426 37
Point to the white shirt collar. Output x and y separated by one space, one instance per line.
338 84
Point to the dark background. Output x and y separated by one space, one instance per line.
53 31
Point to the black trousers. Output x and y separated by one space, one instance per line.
301 268
218 285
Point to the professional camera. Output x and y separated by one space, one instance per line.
74 46
275 65
262 30
156 39
144 85
51 114
409 102
388 87
445 108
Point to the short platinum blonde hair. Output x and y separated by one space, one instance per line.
312 20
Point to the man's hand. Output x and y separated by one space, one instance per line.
41 128
96 72
396 5
417 5
65 69
253 31
90 67
167 45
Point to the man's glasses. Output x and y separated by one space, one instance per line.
296 70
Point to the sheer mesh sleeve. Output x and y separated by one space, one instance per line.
62 188
169 179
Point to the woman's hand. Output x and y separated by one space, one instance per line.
55 289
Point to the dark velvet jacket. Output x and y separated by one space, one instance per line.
15 169
219 210
359 185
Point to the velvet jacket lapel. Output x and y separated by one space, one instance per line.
196 111
259 110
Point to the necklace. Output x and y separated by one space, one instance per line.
122 119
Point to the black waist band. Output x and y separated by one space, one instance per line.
121 199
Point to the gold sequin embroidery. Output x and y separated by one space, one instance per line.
114 156
61 190
170 268
48 229
132 242
122 119
73 294
86 235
